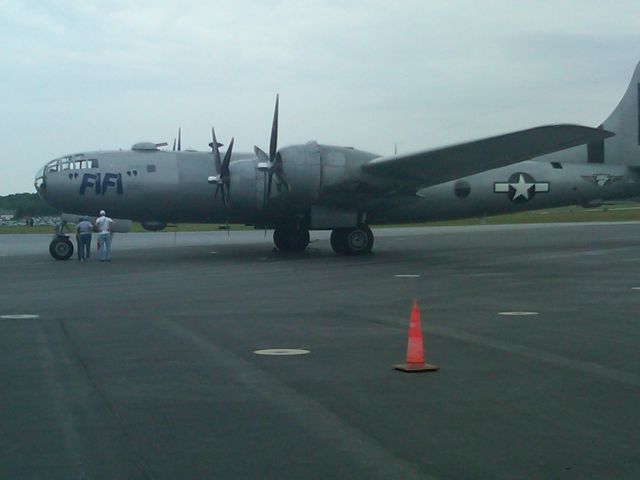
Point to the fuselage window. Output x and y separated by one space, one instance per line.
151 168
595 152
557 165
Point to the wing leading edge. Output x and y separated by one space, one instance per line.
432 167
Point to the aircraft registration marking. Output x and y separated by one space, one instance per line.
20 316
515 314
282 351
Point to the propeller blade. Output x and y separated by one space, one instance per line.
269 185
264 205
216 152
224 172
179 138
174 144
273 146
282 179
263 158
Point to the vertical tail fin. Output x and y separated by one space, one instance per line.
624 121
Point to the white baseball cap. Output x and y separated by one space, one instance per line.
102 212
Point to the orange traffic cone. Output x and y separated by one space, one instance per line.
415 346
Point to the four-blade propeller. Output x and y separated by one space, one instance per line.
222 179
267 164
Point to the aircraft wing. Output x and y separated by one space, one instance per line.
431 167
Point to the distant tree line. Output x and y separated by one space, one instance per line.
26 205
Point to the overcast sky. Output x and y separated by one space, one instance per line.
80 75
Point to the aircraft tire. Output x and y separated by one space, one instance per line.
61 248
339 240
300 240
358 241
280 240
290 239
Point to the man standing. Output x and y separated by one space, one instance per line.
83 231
104 235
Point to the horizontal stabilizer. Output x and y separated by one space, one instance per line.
431 167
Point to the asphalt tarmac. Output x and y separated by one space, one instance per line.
144 367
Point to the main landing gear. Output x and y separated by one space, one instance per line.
352 241
347 241
291 238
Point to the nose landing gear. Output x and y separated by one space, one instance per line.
61 247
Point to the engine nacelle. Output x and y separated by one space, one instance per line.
302 167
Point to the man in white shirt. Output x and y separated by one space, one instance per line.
103 223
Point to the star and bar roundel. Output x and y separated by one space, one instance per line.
521 187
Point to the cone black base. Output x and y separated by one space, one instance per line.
416 367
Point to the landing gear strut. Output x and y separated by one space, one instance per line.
61 247
291 238
352 241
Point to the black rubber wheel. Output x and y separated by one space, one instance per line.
291 239
61 248
280 239
299 240
339 240
358 241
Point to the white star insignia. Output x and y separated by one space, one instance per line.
521 188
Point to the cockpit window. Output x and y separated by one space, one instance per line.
75 162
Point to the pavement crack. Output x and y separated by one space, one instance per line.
136 452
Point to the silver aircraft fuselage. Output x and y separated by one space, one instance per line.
172 187
311 186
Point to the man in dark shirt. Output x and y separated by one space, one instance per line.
84 229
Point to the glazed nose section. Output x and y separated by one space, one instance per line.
40 183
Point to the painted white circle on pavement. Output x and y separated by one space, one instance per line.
20 316
516 314
282 351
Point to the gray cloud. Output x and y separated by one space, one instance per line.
81 75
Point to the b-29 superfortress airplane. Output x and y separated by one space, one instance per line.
314 186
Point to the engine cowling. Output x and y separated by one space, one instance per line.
301 165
